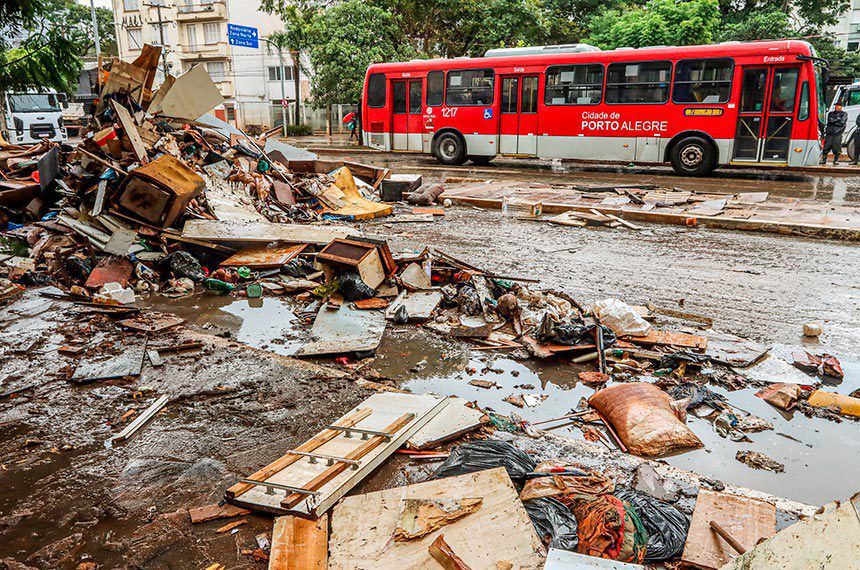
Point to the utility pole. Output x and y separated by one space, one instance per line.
158 6
284 121
96 30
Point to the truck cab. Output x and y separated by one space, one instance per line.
35 115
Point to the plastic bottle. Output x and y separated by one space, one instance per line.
218 286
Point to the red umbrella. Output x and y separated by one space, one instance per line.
348 117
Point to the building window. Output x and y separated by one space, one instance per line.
376 90
435 88
644 82
212 32
129 5
703 81
191 34
135 38
217 70
470 87
275 73
155 36
231 113
853 46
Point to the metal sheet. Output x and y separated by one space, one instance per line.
263 257
344 330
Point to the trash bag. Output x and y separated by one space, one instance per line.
353 288
78 266
468 300
183 264
667 526
401 315
298 268
676 358
554 523
571 333
489 454
621 317
697 395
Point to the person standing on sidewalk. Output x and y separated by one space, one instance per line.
837 119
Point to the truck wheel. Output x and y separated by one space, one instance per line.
693 156
450 149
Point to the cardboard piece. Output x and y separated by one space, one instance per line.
191 96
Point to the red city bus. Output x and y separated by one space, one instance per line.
696 107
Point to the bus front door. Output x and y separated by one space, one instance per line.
765 114
414 118
518 115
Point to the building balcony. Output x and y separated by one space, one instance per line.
226 88
204 51
201 11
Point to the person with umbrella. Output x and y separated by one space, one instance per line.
351 121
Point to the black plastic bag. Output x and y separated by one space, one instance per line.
469 300
353 288
676 358
298 268
183 264
697 396
554 523
667 526
489 454
572 333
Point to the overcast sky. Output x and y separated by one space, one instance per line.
99 3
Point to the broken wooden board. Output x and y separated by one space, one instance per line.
139 421
419 305
829 539
346 329
352 458
263 257
262 232
565 560
131 132
499 532
419 517
745 519
104 367
299 544
110 270
669 338
215 512
152 322
731 350
455 420
350 203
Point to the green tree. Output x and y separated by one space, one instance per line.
659 22
344 40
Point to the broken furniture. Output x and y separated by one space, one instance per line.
345 255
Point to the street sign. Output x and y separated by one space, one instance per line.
242 36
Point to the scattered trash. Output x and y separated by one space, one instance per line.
758 460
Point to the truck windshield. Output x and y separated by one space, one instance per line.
33 103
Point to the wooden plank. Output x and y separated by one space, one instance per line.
215 512
371 443
310 445
669 338
140 421
299 544
264 257
499 532
131 132
746 519
452 422
386 408
259 232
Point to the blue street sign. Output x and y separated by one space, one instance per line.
242 36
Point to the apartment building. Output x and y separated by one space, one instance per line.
847 30
195 32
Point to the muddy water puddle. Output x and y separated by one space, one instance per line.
819 455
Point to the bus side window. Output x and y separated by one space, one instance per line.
803 107
376 90
703 81
574 85
435 88
469 87
638 82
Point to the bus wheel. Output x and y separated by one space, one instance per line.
481 160
451 149
851 148
693 156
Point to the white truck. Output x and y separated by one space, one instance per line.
35 115
849 96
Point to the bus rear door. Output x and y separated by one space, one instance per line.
407 125
766 114
518 118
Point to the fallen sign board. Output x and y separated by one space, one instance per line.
309 479
497 535
345 329
262 232
745 519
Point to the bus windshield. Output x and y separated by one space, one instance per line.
819 86
33 103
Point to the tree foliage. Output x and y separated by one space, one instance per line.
345 40
659 22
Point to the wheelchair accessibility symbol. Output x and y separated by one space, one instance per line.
488 113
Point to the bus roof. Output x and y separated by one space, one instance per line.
726 49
